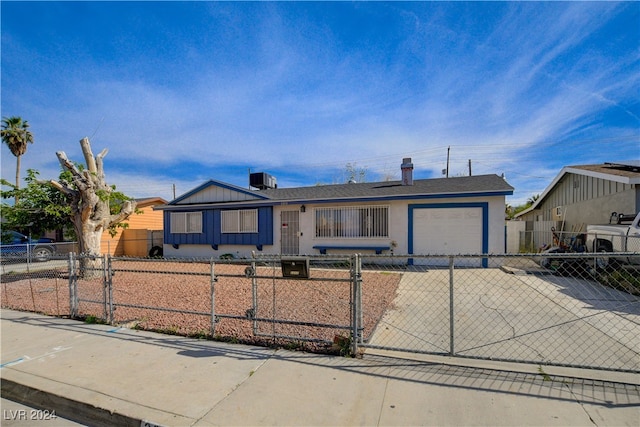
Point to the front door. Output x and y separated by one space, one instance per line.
290 232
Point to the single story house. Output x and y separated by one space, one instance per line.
425 216
582 195
143 233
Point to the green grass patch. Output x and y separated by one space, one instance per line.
624 279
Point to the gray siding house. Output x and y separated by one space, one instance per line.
582 195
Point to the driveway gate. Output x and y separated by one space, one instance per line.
516 311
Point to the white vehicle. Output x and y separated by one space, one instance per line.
617 236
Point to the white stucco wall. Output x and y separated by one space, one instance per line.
514 229
398 231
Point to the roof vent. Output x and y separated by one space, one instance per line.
262 181
407 171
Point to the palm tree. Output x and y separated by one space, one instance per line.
531 200
15 133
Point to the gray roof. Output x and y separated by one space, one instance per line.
467 185
628 171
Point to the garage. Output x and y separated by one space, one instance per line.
448 229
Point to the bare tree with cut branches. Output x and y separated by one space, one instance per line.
95 206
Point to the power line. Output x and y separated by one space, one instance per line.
478 151
97 128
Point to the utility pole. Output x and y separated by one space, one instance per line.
469 167
448 148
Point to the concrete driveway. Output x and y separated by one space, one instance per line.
497 314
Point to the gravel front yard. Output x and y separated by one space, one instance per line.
179 294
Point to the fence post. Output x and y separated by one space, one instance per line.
109 276
356 276
359 302
451 313
213 297
73 289
105 292
254 295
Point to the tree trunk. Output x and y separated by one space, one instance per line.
15 200
88 196
89 247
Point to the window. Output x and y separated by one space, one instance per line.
241 221
352 222
186 222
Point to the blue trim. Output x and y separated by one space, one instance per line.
485 222
406 197
378 249
278 202
212 230
199 207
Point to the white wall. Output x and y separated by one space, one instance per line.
398 227
514 229
398 230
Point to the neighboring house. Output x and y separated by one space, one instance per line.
143 233
427 216
582 195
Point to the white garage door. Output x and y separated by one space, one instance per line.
447 231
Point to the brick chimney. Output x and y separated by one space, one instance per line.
407 171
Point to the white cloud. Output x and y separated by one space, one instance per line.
295 95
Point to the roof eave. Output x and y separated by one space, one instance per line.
603 175
302 201
211 182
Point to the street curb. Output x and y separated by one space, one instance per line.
70 409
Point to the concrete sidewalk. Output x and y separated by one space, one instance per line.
102 375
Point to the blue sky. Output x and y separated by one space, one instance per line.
184 92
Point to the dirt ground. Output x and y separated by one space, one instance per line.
176 298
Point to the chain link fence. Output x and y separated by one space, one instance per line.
565 309
535 241
36 280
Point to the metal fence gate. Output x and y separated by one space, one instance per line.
247 301
515 310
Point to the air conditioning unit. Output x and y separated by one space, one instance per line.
262 181
557 213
